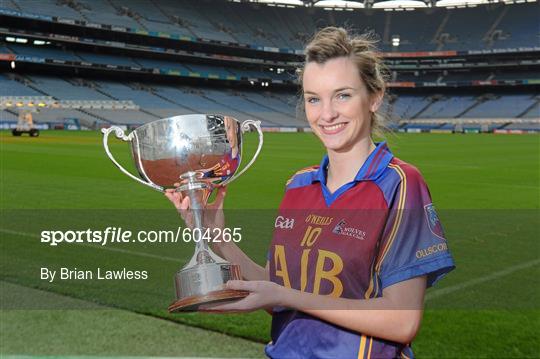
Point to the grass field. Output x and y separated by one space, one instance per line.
486 188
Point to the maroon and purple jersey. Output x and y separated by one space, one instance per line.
225 168
371 233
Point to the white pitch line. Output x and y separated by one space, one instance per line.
454 288
119 250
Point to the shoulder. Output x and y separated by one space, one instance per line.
405 171
401 180
302 177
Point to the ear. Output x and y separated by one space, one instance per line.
376 101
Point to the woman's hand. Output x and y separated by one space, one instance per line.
395 316
213 216
262 295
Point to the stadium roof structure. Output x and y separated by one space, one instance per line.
351 5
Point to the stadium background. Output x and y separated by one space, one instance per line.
84 65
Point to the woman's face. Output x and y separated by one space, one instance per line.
230 128
338 105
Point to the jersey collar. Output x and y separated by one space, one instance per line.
372 168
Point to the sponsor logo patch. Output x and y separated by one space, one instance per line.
433 221
284 223
342 229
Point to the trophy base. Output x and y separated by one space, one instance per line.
204 283
192 304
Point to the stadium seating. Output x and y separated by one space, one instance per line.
10 5
65 90
142 96
516 25
407 107
102 12
273 109
534 111
53 52
508 106
482 27
10 87
156 101
62 115
43 52
495 26
8 116
126 117
449 107
48 7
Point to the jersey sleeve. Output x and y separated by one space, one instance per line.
413 242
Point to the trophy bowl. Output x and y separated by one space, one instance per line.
193 154
208 145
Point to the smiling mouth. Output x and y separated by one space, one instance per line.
333 129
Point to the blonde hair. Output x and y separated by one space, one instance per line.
333 42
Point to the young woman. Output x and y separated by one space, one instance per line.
357 239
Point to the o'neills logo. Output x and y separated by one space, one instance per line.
342 229
319 220
284 223
441 247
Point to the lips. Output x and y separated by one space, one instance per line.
332 129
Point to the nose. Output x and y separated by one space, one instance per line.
328 112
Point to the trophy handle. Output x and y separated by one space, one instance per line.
245 127
119 133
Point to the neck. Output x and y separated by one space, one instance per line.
343 166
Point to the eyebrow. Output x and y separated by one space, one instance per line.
336 90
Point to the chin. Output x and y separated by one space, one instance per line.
332 142
334 145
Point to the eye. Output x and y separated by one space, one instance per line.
343 96
312 100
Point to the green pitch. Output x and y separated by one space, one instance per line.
486 188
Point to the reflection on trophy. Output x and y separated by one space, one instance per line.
200 152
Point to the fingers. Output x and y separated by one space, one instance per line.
239 306
185 204
173 196
241 285
221 191
181 203
213 307
176 197
220 197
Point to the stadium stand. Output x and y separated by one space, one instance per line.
55 52
49 7
102 12
434 105
405 107
11 87
157 100
508 106
495 26
533 111
45 52
63 89
448 107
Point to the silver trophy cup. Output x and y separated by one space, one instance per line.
200 152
